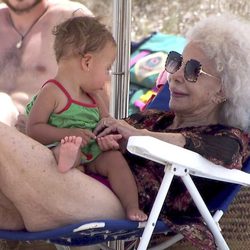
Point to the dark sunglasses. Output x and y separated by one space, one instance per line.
192 69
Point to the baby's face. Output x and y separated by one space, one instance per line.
101 66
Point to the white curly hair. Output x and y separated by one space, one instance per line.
225 39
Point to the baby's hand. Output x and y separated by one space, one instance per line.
109 142
86 135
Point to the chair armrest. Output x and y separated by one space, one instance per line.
162 152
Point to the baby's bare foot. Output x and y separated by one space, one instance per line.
69 152
135 214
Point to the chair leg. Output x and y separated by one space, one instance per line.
212 225
156 209
112 245
168 243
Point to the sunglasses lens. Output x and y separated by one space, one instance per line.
173 62
192 70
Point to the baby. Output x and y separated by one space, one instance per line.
67 108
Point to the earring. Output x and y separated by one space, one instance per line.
218 100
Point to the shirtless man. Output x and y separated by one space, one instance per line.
26 52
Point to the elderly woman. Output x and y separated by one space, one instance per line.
210 91
209 99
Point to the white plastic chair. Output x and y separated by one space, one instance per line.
184 163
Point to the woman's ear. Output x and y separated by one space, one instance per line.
86 61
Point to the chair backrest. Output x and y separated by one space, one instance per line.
223 199
161 100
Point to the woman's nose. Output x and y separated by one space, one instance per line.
178 76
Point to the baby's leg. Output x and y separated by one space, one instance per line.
113 165
68 153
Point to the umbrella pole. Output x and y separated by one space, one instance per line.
119 100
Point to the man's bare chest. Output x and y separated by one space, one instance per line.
33 62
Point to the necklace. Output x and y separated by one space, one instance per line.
20 42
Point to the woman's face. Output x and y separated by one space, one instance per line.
195 97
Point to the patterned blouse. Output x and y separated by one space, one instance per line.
220 144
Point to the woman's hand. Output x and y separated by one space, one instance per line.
112 126
103 124
109 142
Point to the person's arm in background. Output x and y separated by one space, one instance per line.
101 103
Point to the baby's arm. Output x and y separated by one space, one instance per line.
37 124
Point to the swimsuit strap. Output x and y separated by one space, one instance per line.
70 100
60 86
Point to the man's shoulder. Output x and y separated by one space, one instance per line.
68 7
